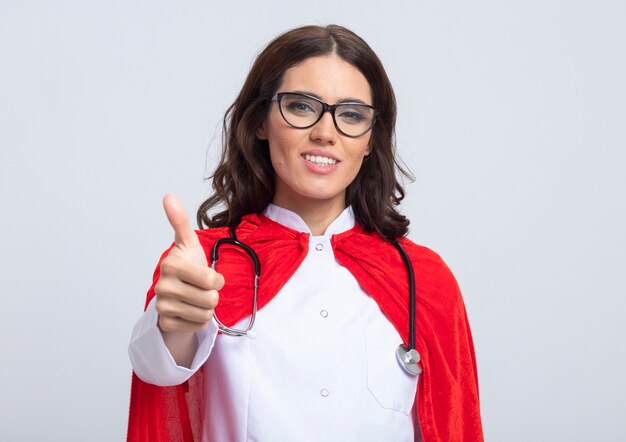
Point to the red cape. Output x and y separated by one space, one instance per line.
447 393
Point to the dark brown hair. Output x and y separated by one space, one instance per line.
244 178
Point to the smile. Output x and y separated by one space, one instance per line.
323 161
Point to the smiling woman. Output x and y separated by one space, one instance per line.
308 188
314 166
244 181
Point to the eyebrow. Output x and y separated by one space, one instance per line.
343 100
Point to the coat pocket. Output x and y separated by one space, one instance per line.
392 387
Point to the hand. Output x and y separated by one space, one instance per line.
186 292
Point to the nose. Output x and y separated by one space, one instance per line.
324 131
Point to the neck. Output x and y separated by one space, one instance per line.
317 214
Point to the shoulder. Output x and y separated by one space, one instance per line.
426 261
432 273
425 258
430 269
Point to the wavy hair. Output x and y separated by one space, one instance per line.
243 181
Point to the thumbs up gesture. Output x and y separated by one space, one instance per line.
186 292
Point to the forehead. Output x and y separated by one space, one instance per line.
330 77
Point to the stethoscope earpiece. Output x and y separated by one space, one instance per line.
408 360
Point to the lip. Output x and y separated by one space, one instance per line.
320 153
320 169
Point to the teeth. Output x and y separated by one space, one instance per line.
324 161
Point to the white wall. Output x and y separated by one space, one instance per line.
511 116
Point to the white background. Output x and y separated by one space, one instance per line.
511 115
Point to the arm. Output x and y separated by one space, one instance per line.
153 361
181 303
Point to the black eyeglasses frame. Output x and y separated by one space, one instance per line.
325 108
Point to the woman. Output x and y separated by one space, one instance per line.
308 181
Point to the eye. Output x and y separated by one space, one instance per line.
352 114
299 106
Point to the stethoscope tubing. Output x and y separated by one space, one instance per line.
407 356
411 276
257 274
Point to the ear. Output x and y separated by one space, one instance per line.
261 132
369 149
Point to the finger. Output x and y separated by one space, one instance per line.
177 216
172 290
175 309
200 276
168 324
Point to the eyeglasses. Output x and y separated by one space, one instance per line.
303 111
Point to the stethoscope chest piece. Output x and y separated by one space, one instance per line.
408 360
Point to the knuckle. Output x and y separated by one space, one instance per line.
214 279
162 288
162 306
210 277
168 308
220 281
213 298
166 324
207 314
167 266
158 287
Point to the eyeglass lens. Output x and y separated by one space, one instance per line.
300 111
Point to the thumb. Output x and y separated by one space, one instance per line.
177 216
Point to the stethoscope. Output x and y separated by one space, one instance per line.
407 356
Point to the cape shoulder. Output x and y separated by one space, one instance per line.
437 291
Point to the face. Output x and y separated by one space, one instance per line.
317 164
